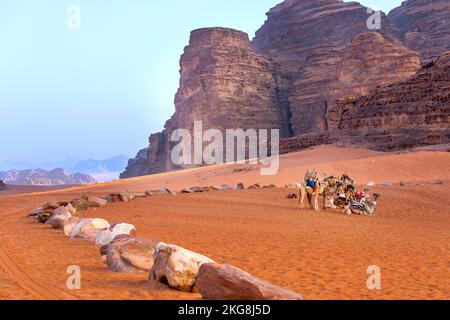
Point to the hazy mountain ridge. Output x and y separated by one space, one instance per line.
71 165
40 177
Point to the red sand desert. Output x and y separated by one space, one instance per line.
320 256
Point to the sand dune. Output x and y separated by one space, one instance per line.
320 256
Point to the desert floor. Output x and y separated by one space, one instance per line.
320 256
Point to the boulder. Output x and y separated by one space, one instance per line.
139 194
177 267
124 196
198 189
129 255
171 192
59 218
255 186
96 202
225 187
187 191
156 192
80 204
42 214
269 186
87 229
240 186
70 224
85 202
108 235
225 282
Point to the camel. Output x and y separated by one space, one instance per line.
335 192
311 193
363 207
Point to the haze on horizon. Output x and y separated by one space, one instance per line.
100 91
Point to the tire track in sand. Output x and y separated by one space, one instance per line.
22 278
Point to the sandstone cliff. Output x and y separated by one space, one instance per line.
224 84
307 70
402 115
355 69
424 26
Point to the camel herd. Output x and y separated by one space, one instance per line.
336 192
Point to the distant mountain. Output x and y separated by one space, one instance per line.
71 165
40 177
115 164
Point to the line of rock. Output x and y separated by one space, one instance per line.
169 264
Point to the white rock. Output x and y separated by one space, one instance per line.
87 229
177 266
108 235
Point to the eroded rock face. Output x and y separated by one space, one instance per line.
305 39
402 115
424 26
177 267
224 84
225 282
306 56
355 69
129 255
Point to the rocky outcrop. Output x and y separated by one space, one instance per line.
224 84
308 55
355 69
402 115
2 185
39 177
225 282
424 26
295 28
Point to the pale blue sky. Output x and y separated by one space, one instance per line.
100 91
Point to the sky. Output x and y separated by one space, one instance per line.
101 90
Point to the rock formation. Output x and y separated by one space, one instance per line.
402 115
40 177
355 69
308 57
2 185
424 26
224 84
